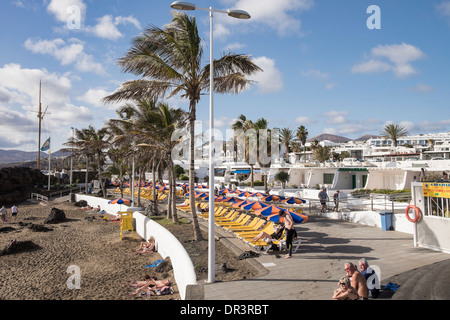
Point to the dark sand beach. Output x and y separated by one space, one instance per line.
45 256
41 265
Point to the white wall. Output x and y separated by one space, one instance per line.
166 243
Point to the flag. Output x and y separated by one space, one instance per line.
46 145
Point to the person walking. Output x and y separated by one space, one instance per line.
14 212
290 232
3 217
336 200
323 198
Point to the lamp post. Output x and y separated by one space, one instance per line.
239 14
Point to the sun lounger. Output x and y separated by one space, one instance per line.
228 218
268 228
238 221
254 225
219 212
264 246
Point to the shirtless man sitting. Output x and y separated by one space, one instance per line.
358 281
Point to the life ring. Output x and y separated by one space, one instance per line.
417 213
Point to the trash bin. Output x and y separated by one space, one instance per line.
386 221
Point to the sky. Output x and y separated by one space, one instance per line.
340 67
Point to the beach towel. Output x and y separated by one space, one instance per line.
154 264
391 286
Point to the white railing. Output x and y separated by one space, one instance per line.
38 198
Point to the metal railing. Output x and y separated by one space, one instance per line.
395 203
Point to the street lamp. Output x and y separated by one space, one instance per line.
239 14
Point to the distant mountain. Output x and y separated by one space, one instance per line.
367 137
329 137
17 156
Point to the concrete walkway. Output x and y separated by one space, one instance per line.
314 271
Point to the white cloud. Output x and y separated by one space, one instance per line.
330 86
277 15
336 117
303 120
106 26
315 73
94 97
234 46
371 66
19 104
71 53
444 8
399 58
60 9
270 79
421 88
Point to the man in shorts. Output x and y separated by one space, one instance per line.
323 198
14 211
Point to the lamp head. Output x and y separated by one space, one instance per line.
239 14
182 5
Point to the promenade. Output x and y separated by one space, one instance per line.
315 269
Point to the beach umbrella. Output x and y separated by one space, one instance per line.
206 198
225 191
272 197
120 201
244 194
239 204
201 195
258 194
230 200
296 217
269 210
200 186
254 206
294 200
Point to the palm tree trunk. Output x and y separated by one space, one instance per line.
86 177
197 232
172 190
155 207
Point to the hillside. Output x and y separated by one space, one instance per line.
329 137
18 156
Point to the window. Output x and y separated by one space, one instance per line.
328 178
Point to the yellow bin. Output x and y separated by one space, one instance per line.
126 222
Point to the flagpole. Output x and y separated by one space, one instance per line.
49 154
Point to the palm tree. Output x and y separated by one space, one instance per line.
264 161
302 135
286 135
169 61
322 153
240 126
97 143
165 120
393 131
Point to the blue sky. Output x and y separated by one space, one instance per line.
323 67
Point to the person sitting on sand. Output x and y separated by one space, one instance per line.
345 290
152 282
277 232
146 247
